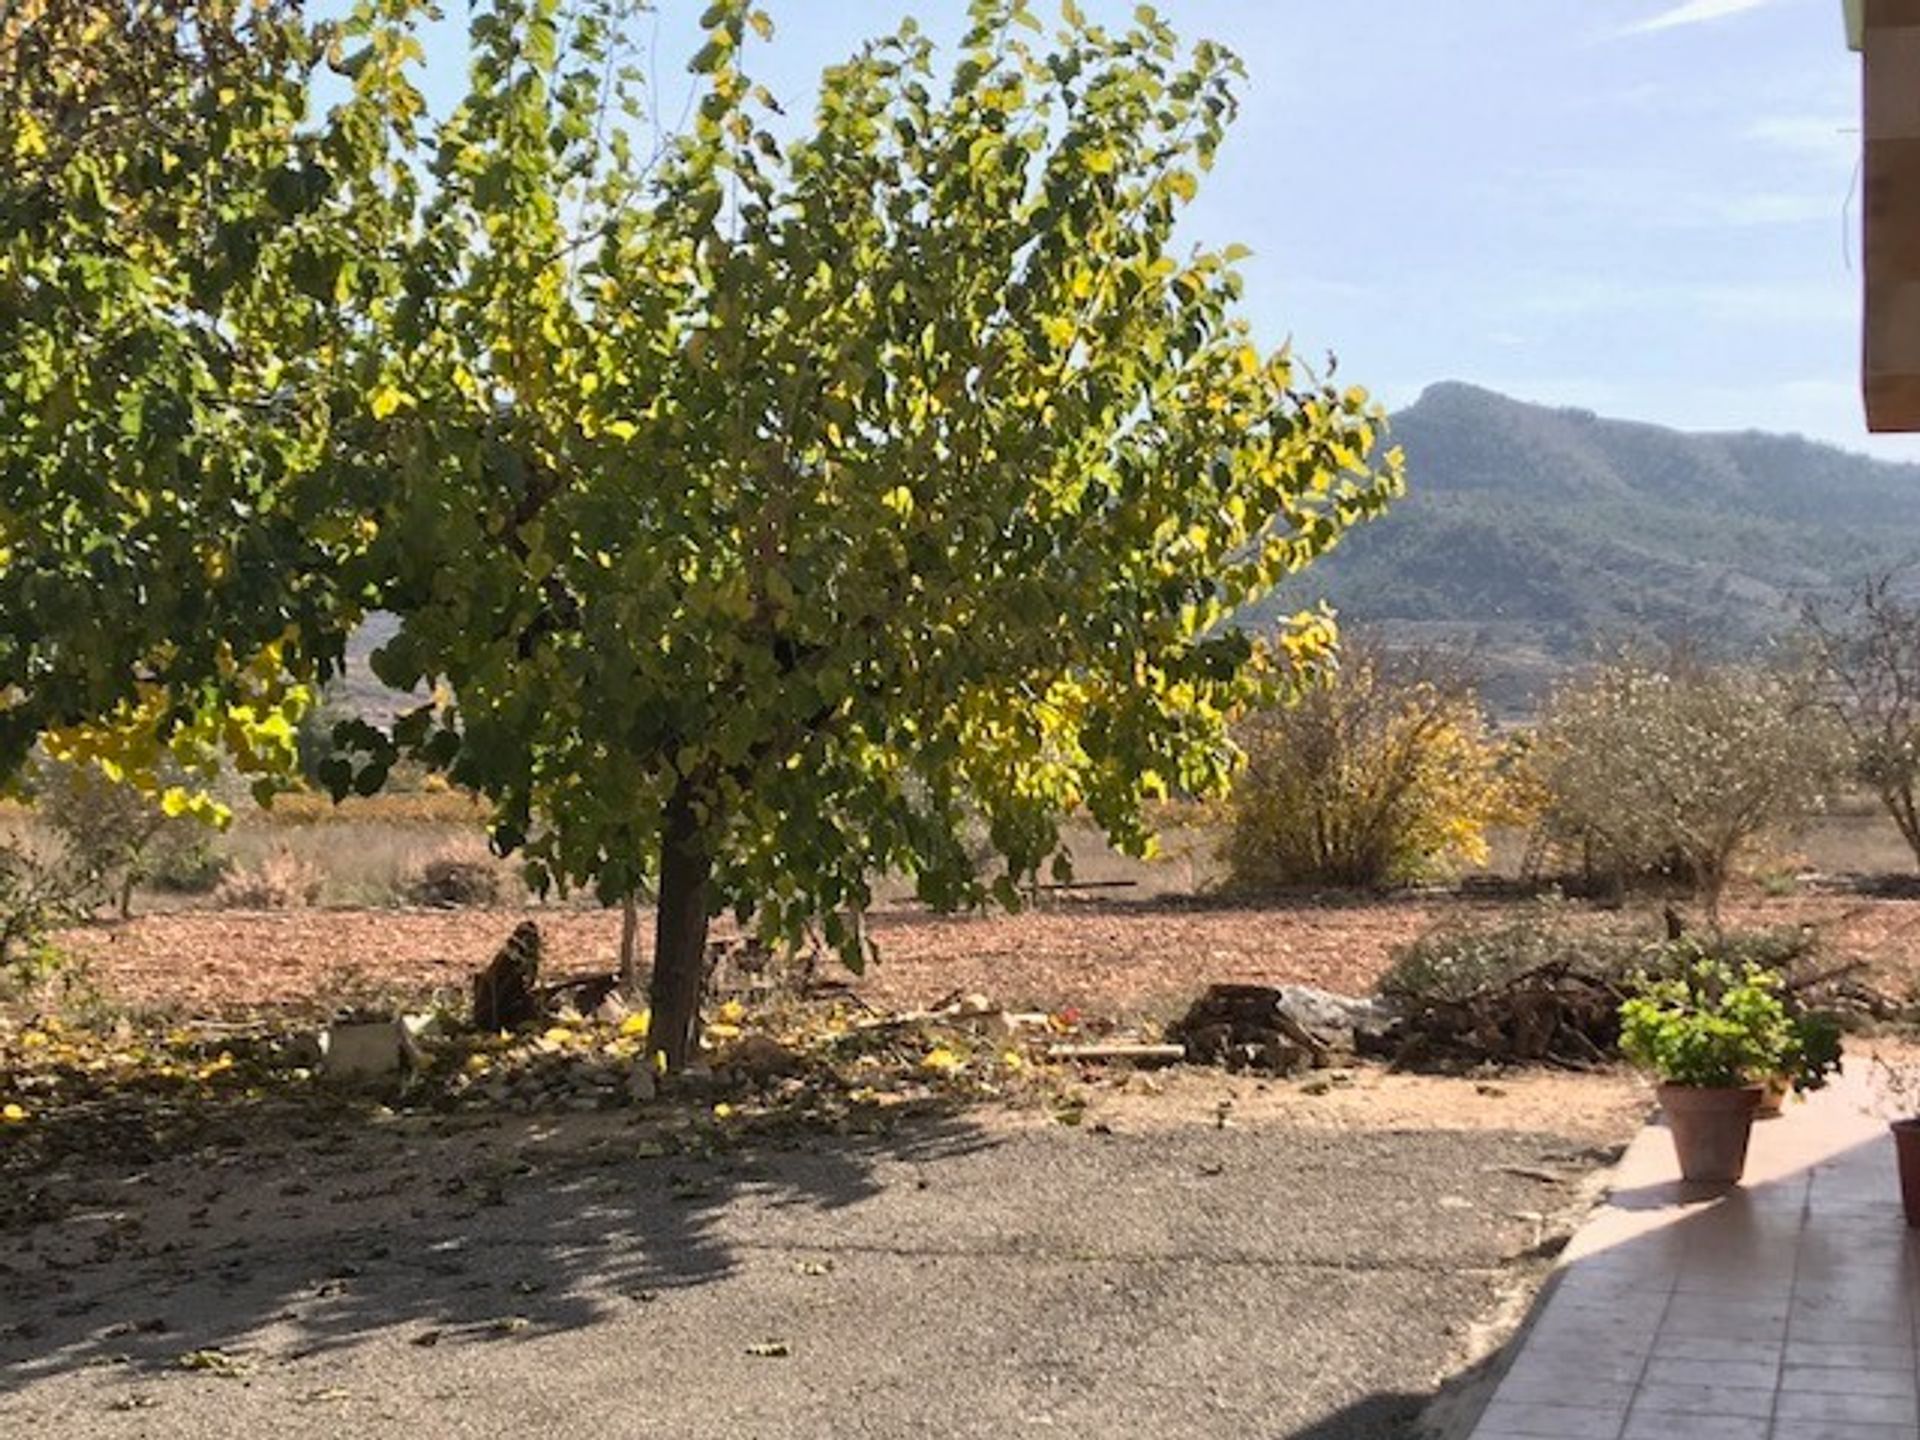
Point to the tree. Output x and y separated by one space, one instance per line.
1868 654
772 509
1382 775
1644 764
769 510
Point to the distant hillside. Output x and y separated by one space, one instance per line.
1535 534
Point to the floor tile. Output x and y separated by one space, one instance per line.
1856 1409
1781 1311
1506 1418
1831 1380
1744 1373
1671 1399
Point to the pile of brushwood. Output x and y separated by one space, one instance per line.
1542 990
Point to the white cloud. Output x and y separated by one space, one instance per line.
1694 12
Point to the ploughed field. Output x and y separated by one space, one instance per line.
1103 957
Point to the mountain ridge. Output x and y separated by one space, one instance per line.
1536 534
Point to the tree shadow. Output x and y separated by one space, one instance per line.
262 1240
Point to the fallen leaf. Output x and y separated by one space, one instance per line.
769 1350
212 1362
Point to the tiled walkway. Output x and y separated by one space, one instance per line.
1780 1311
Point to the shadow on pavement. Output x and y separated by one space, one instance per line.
456 1232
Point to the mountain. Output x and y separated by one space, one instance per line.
1534 535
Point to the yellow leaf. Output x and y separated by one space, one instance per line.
12 1114
385 401
732 1013
942 1060
722 1111
723 1032
33 1040
637 1024
1014 1061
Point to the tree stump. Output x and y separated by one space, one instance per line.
506 994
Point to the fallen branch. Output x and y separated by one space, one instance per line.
1139 1053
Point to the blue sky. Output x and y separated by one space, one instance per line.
1643 207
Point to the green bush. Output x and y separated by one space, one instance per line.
1707 1023
36 898
187 864
1459 959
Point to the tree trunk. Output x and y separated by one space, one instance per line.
629 949
679 932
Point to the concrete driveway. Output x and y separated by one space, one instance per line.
956 1275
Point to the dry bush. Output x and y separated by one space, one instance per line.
1681 766
280 880
439 806
461 875
1382 775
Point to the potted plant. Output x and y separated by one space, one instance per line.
1899 1082
1711 1034
1813 1056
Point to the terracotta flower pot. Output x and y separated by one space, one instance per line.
1710 1129
1773 1096
1906 1150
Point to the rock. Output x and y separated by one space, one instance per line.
641 1086
1012 1024
1339 1019
355 1052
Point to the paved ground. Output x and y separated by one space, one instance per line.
960 1277
1780 1311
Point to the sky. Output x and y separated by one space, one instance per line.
1645 208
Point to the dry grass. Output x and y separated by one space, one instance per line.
454 809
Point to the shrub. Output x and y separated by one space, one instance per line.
187 863
111 830
37 897
281 880
1381 775
1683 767
1867 650
1458 960
457 878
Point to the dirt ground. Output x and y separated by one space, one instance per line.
1118 959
